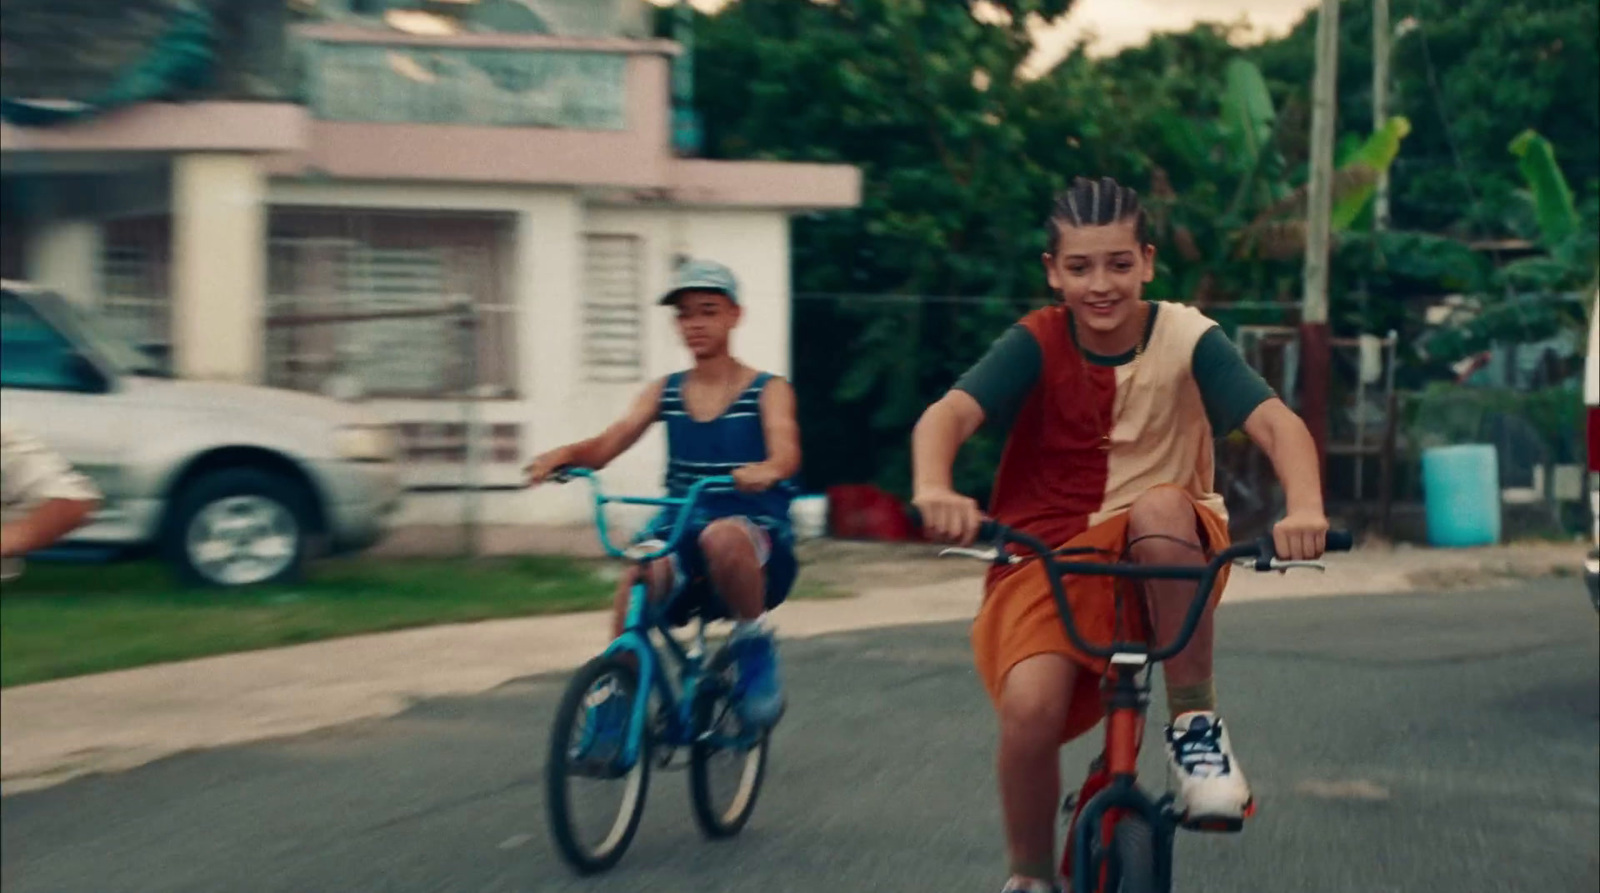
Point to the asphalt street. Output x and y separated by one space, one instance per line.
1416 743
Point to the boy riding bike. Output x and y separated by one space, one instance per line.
1111 404
723 418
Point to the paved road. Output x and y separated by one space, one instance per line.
1397 743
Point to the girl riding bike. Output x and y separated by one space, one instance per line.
1112 404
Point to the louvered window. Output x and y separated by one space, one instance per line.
613 321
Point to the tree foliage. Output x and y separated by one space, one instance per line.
960 157
1470 75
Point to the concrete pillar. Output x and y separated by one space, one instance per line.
65 255
219 274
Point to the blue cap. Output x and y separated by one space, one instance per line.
702 275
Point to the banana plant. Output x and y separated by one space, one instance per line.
1531 299
1569 261
1279 230
1240 219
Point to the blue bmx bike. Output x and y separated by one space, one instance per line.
641 702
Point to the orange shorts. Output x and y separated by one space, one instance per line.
1019 620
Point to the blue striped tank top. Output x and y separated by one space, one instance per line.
698 449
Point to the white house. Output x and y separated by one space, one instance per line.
531 174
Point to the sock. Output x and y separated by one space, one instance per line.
1027 879
743 627
1183 699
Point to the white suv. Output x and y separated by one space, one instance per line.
233 484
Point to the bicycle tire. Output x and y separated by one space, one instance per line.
714 823
558 768
1133 848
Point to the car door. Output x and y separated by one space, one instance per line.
50 388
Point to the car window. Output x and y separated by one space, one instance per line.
33 354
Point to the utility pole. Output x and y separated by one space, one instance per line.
1315 355
1381 35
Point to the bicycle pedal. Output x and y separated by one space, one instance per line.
1224 825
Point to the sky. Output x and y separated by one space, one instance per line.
1118 24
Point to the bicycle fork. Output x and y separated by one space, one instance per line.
1110 792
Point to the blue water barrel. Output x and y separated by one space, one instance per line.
1461 495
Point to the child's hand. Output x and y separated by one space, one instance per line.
1301 536
15 539
947 516
757 478
540 469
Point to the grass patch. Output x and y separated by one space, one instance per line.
68 620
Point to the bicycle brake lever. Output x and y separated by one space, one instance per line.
991 554
1285 566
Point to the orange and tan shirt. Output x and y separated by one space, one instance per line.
1088 434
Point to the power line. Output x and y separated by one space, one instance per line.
1444 119
865 298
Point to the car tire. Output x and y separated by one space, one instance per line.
239 527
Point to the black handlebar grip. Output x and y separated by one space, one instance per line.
1340 541
915 514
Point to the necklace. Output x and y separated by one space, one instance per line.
1133 369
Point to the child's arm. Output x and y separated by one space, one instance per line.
943 428
1282 435
782 433
991 391
597 452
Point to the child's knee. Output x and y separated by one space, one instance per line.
727 541
1165 511
659 577
1034 701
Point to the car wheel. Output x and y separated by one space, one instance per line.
239 527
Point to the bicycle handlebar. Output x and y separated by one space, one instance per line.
1262 550
684 504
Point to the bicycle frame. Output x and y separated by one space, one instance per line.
1116 792
1113 790
642 617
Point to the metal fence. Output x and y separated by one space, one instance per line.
464 444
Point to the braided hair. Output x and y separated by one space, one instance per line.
1100 202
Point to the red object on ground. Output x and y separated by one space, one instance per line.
865 512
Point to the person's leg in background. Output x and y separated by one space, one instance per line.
735 552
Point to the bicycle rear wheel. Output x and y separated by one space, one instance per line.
724 750
587 741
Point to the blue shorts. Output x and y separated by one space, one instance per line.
692 595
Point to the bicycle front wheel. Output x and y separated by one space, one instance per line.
586 765
1133 853
728 761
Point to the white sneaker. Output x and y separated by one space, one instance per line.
1212 792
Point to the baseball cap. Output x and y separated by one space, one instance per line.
702 275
